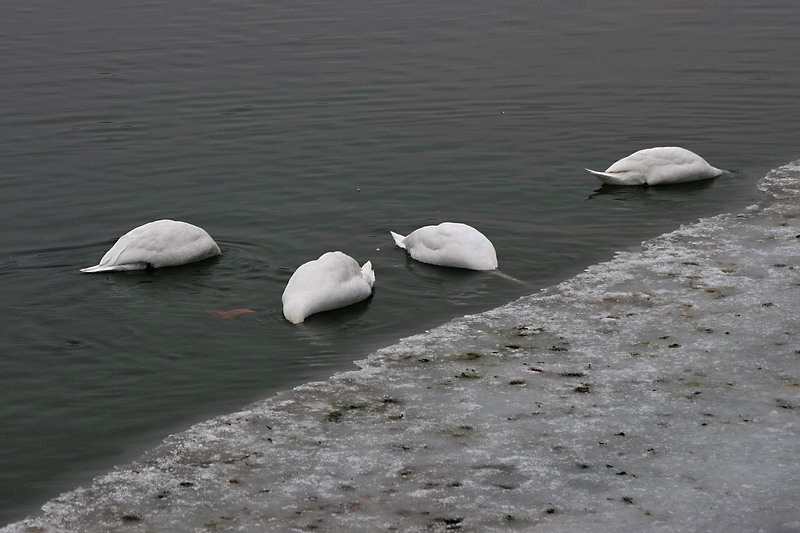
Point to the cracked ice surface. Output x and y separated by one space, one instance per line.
659 391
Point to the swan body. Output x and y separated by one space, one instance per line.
449 244
162 243
334 280
658 166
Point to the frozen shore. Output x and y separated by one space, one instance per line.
659 391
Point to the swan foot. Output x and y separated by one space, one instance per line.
233 313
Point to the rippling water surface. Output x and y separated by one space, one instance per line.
287 129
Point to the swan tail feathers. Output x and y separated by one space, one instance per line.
368 273
600 175
399 240
114 268
96 268
612 179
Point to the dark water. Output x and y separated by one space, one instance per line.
287 129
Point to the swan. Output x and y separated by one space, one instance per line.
450 244
658 166
157 244
332 281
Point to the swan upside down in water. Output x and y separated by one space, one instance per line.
162 243
658 166
334 280
449 244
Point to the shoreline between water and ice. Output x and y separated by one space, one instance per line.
658 391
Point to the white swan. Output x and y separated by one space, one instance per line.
658 166
332 281
449 244
157 244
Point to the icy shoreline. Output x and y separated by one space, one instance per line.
659 391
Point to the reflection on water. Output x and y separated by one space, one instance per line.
627 193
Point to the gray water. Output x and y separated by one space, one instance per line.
289 129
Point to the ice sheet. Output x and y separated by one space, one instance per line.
659 391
